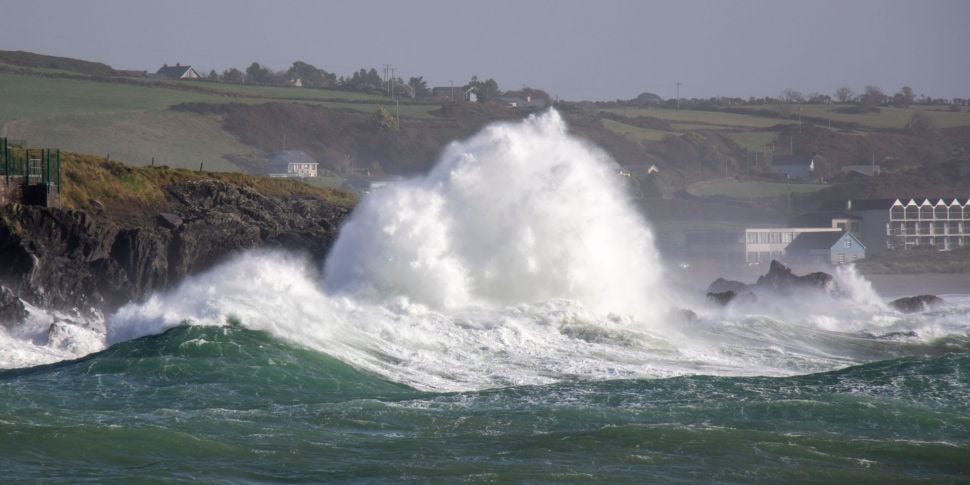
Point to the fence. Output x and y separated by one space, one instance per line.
33 178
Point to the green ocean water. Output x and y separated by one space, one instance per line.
227 404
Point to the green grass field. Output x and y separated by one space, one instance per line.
173 138
752 140
635 133
40 97
133 123
715 119
886 118
283 92
749 189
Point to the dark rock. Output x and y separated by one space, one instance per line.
721 285
12 310
913 304
780 279
169 220
73 259
721 298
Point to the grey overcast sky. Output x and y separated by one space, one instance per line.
598 50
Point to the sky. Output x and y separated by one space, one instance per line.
575 50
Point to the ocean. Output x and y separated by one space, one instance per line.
505 318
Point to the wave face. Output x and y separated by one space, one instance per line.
228 404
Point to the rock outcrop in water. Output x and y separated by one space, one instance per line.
778 280
12 310
80 261
914 304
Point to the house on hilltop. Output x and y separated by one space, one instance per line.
293 163
177 71
454 93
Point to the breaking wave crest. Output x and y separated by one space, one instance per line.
519 259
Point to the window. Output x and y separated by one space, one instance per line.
848 243
842 258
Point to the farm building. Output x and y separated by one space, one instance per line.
293 163
177 71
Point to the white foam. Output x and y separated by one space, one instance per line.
517 260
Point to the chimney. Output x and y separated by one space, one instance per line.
178 65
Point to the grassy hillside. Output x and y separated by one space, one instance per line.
134 121
124 190
55 64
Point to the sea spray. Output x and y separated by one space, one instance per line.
519 259
519 213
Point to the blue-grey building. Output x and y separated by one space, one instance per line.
794 167
825 247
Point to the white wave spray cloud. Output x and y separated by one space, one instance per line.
519 259
519 213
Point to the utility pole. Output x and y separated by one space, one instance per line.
391 80
387 68
678 94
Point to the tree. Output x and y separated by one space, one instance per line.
844 94
904 98
385 120
232 75
258 74
213 76
310 75
419 86
792 96
923 125
873 97
485 90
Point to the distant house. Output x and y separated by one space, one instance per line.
874 214
177 71
293 163
825 247
867 170
454 93
794 167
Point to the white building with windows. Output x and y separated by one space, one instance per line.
940 224
761 245
293 163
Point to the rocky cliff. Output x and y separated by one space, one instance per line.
81 262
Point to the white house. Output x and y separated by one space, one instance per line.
177 71
293 163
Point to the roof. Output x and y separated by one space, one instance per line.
821 218
810 241
858 205
286 157
792 160
173 72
